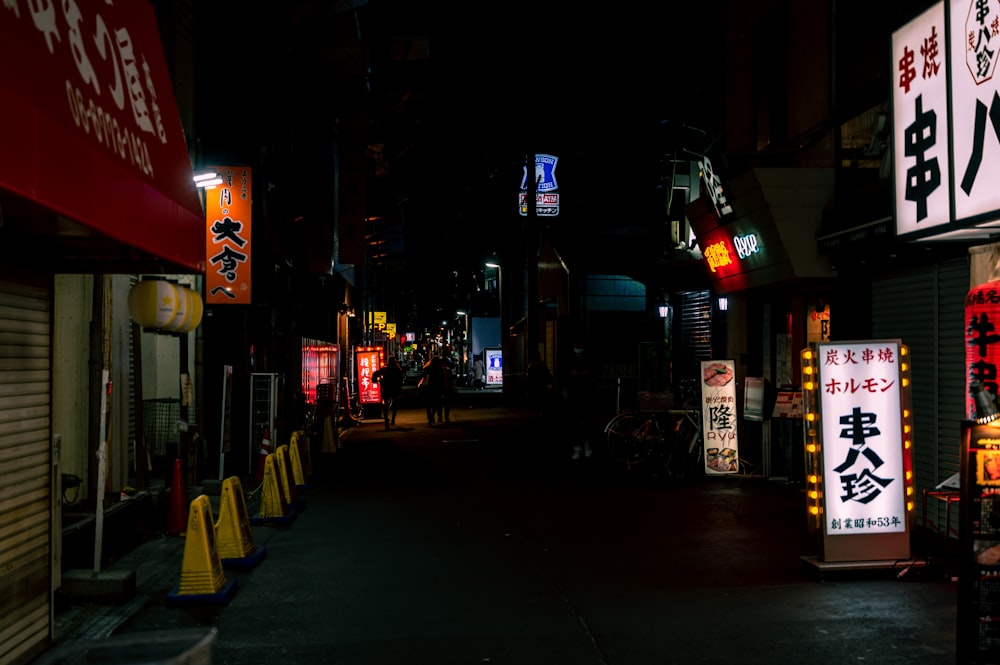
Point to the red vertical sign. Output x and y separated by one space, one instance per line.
982 339
368 360
227 238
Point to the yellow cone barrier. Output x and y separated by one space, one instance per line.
202 577
233 536
284 466
273 505
300 440
295 459
329 437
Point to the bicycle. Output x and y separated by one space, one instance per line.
657 437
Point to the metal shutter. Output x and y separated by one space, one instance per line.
25 467
925 308
695 342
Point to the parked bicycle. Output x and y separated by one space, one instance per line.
656 437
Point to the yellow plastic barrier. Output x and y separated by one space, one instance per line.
233 535
202 577
284 467
274 506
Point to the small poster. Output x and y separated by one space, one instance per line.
718 413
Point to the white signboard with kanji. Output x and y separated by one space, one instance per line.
945 161
861 429
920 123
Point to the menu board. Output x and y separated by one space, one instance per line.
979 546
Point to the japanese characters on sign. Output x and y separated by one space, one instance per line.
227 238
933 68
982 339
494 367
90 123
368 360
713 184
974 49
920 123
546 188
861 430
718 414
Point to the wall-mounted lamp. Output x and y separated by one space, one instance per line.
207 179
723 303
663 309
986 406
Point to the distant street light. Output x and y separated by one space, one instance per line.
499 270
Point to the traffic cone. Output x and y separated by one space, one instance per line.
265 450
176 508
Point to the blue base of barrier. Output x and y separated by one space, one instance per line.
221 597
245 562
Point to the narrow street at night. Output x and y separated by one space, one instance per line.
481 542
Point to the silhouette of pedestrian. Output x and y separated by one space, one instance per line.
432 387
390 378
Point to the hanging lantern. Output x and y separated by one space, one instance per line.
982 339
157 304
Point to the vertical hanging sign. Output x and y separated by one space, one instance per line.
718 413
982 339
546 188
227 238
368 359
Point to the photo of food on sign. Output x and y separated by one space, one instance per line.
717 375
721 460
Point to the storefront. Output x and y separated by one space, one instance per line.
95 178
758 242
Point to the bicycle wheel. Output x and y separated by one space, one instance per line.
631 438
683 449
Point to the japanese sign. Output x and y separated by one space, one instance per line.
982 338
546 188
90 123
713 185
368 360
718 415
860 402
933 68
920 122
227 238
494 367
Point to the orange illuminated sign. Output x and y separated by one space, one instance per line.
227 238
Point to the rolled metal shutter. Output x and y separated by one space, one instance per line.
25 467
925 308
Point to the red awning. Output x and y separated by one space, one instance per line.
89 127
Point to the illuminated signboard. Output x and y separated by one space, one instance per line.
494 367
724 250
982 339
934 68
714 186
546 188
859 446
228 238
718 413
368 360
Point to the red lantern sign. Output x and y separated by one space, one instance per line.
982 338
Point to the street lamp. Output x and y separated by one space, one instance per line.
499 270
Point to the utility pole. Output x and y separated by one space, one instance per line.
532 246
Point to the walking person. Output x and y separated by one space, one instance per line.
432 387
390 379
579 389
